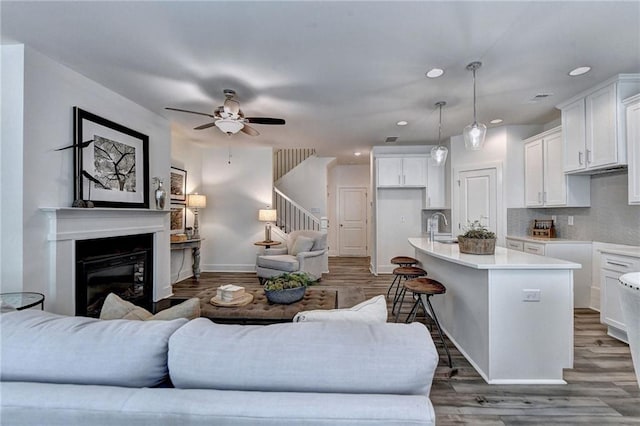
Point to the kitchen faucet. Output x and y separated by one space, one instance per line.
433 220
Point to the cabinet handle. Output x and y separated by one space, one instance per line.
580 158
544 197
539 197
588 156
428 201
618 264
404 179
399 180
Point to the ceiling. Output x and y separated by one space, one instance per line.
340 73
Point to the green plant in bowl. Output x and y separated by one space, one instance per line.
477 239
287 288
477 230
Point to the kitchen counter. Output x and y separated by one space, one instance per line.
632 251
510 314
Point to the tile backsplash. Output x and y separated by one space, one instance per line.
610 219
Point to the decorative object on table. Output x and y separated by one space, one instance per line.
196 201
115 168
475 132
160 194
477 240
287 288
231 295
178 238
439 153
267 215
178 185
177 218
189 231
543 228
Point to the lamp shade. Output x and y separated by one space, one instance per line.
267 215
229 126
439 154
196 201
474 136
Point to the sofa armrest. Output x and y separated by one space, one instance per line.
275 251
309 254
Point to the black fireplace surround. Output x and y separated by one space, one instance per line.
120 265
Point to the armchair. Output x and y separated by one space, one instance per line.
305 251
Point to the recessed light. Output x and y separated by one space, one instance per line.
402 123
496 121
579 71
357 153
434 72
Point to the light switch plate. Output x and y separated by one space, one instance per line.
531 295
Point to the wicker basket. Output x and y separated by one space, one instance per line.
477 245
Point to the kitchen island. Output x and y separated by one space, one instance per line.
510 314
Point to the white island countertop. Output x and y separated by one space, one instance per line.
502 259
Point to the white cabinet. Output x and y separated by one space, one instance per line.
573 251
436 197
593 126
633 147
612 266
402 171
546 184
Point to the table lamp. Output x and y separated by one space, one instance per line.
195 202
267 215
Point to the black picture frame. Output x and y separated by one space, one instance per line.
110 161
178 218
178 185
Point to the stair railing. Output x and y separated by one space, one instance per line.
291 215
284 160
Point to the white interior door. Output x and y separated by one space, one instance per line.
352 222
478 200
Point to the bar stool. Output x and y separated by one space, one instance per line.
400 261
406 273
424 288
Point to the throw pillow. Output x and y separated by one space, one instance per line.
115 307
301 244
371 311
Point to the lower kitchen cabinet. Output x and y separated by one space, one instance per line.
612 266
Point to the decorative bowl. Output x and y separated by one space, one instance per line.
286 296
477 245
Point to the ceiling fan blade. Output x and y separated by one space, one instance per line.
264 120
190 112
249 130
205 126
231 106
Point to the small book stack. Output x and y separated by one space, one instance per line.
230 293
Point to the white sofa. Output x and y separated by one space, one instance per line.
58 370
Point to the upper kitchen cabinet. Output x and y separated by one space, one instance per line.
633 147
593 126
407 171
546 184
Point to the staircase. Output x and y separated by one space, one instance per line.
291 215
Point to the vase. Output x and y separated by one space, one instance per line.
285 296
477 245
160 195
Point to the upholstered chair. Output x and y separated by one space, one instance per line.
305 251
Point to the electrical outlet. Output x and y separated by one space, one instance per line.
570 219
531 295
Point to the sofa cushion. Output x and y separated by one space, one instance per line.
39 346
283 262
301 244
345 357
115 307
373 310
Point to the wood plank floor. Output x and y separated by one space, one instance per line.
601 389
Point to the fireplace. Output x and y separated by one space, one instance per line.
121 265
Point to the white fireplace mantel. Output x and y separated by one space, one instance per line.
68 224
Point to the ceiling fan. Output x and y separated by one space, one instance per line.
229 118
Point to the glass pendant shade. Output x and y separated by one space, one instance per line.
474 133
439 153
474 136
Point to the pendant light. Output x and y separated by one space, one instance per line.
475 132
439 153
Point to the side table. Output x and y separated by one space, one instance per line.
194 245
23 300
267 244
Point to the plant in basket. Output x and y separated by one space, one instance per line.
477 239
287 288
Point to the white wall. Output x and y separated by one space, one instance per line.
51 90
11 173
235 192
345 176
307 184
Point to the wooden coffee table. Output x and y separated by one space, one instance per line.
261 311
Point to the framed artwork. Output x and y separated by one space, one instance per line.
178 185
178 218
111 162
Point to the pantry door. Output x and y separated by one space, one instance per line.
477 195
352 221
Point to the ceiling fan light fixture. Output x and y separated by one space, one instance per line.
229 126
474 133
439 153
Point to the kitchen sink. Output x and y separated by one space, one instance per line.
451 241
